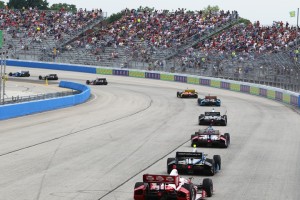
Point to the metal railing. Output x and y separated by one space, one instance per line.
20 99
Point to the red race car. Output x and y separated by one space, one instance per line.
171 187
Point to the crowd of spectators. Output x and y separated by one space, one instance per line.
242 43
38 25
145 30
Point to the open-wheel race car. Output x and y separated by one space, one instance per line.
188 93
171 187
97 81
19 74
209 101
210 137
194 163
48 77
212 118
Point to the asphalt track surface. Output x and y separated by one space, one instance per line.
99 149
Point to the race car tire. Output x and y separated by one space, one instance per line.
212 170
190 188
192 142
207 186
225 120
217 159
199 102
10 74
192 136
138 184
169 167
87 82
201 121
40 77
178 94
227 136
196 96
105 83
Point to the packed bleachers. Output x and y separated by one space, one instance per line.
142 34
197 42
33 31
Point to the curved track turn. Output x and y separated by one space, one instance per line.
99 149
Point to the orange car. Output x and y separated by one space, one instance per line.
187 94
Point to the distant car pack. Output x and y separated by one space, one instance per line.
209 101
97 81
210 137
189 93
19 74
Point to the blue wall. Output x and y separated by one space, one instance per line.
26 108
125 72
54 66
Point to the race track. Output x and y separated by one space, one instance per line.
98 150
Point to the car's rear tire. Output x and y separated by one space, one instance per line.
199 101
40 77
87 82
207 186
190 188
212 170
138 184
10 74
169 167
178 94
217 159
225 120
227 137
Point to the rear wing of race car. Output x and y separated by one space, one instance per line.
188 154
211 97
167 179
212 113
207 132
191 91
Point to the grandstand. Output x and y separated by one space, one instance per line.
215 44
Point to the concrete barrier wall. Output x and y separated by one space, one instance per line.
56 66
277 94
26 108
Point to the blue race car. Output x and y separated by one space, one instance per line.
20 74
209 101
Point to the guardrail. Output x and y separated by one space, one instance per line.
26 108
273 93
19 99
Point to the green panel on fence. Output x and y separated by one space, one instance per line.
104 71
235 87
216 84
286 98
193 80
271 94
254 90
167 77
137 74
